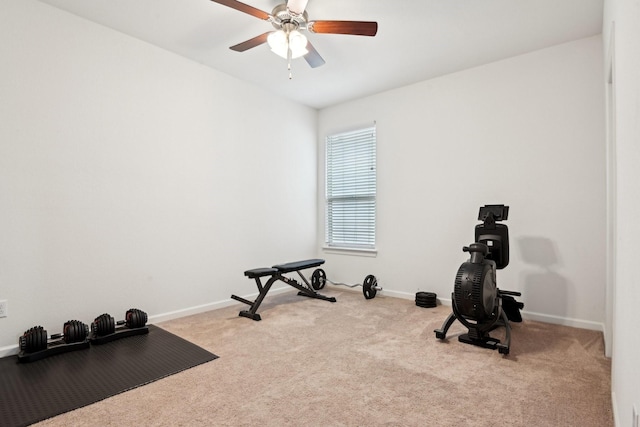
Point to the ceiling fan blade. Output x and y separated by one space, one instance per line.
297 6
357 28
256 41
313 58
234 4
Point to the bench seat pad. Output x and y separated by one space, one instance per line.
298 265
259 272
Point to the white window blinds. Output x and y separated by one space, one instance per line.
351 189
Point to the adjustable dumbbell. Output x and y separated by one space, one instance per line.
369 285
104 328
35 344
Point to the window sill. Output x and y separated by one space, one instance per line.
350 251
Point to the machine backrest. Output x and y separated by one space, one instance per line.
496 237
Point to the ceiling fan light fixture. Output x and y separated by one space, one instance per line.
280 43
298 44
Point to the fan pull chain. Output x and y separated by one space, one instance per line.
289 57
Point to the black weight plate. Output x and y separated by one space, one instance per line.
368 287
35 339
104 325
135 318
74 331
74 327
23 341
69 332
41 339
130 319
98 326
85 331
425 295
318 279
110 324
426 305
426 299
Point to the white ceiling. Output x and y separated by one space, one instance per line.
416 40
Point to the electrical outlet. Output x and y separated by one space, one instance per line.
3 308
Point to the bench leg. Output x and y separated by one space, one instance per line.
248 314
251 313
316 296
306 291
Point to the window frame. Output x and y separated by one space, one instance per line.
351 190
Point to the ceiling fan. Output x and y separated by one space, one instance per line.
289 19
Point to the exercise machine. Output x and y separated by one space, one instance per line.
476 301
275 273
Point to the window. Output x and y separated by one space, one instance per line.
351 189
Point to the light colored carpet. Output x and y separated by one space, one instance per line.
362 362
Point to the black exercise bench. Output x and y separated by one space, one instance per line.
276 273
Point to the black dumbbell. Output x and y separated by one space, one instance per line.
104 328
36 339
106 325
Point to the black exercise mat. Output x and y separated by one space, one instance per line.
32 392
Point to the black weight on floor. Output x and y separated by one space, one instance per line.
318 279
369 286
426 299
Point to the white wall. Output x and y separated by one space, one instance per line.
527 132
622 54
131 177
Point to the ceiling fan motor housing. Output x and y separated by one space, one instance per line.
284 19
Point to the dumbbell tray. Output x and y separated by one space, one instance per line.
52 349
119 333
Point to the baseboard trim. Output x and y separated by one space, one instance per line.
527 315
171 315
565 321
11 350
614 408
